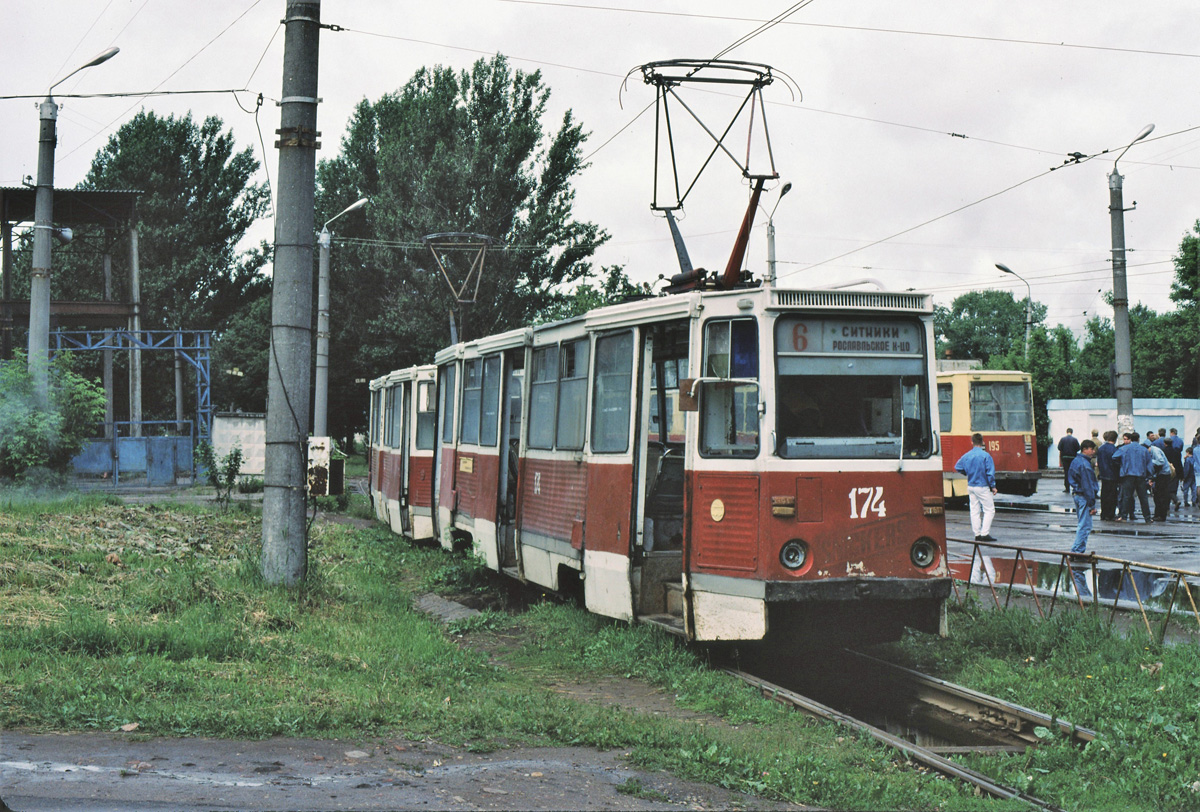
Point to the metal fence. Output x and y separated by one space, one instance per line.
1134 582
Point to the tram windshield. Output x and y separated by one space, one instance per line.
1001 406
850 388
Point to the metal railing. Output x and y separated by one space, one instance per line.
1072 564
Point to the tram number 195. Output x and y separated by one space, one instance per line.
864 501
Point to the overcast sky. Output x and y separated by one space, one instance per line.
918 143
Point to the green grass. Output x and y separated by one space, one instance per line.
114 614
1143 698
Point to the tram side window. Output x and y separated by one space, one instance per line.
489 414
543 397
572 395
472 394
426 415
945 406
1001 406
729 411
610 405
389 406
448 380
397 428
374 439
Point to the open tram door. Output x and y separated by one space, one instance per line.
508 480
658 505
406 399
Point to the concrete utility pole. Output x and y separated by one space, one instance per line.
321 387
1124 356
43 225
285 546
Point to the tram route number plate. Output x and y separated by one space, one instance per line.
865 501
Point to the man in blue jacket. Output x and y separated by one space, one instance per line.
980 471
1133 461
1081 479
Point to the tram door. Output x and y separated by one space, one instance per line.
507 478
443 469
405 407
658 514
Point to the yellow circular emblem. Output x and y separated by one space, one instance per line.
717 510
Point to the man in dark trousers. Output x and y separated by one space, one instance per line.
1068 450
1081 479
1133 467
1108 476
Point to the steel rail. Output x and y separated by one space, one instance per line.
912 751
979 707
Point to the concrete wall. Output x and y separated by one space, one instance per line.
1086 414
247 430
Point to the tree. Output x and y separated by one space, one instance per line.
614 288
197 205
983 323
448 152
198 201
1185 291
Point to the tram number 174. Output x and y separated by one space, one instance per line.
867 500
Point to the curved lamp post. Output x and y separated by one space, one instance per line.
787 187
321 390
43 230
1124 358
1028 303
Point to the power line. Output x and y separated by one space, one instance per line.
922 224
187 61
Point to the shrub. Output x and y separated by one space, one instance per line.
222 474
35 436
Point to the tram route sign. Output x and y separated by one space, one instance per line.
848 337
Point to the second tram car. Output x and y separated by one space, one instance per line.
999 405
731 465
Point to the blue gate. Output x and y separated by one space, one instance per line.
162 459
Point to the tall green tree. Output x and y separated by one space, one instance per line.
198 201
983 323
1185 292
451 151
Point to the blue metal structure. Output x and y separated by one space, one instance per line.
161 457
195 346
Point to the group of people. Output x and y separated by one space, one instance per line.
1114 473
1162 467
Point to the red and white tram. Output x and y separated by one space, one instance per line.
742 464
403 425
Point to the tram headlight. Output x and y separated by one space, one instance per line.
924 553
794 554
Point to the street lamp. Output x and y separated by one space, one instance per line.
1124 359
787 187
1028 303
321 393
43 230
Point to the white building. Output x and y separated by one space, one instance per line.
1149 414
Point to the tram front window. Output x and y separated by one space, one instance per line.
851 389
1001 406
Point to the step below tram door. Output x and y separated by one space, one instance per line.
660 483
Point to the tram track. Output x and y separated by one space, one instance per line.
926 718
